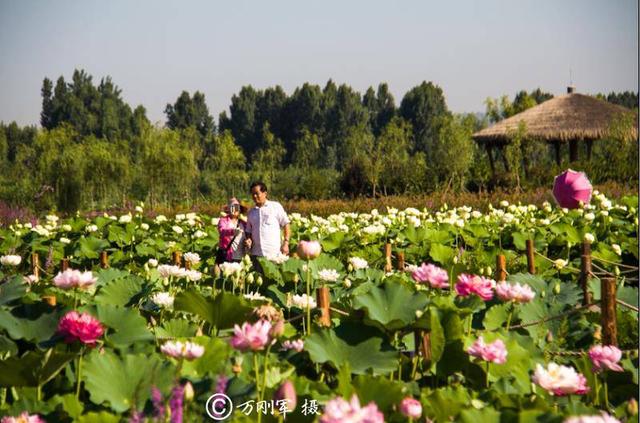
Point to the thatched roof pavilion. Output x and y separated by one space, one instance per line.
570 118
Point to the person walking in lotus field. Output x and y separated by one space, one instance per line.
265 222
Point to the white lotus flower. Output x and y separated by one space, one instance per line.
163 299
10 260
301 301
358 263
125 218
193 258
230 268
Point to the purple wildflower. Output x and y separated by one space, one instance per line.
175 404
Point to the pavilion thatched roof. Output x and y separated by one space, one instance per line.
570 117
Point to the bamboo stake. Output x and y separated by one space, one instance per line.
501 268
35 265
608 312
324 304
64 264
585 272
176 256
104 260
401 261
531 264
387 256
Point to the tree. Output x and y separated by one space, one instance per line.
452 153
424 106
189 112
381 107
242 120
269 159
46 116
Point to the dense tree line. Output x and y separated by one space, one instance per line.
94 150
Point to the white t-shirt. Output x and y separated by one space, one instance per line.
264 224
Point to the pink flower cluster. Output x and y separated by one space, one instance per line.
411 408
297 345
433 275
495 352
478 285
560 380
339 410
601 418
177 349
80 327
516 293
605 357
23 418
71 278
251 337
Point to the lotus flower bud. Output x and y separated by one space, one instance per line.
346 283
543 293
259 280
236 364
632 407
296 278
489 271
411 408
287 392
277 328
556 288
199 332
419 313
216 271
188 392
616 270
250 278
549 337
308 250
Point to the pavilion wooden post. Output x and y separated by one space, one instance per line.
324 304
64 264
487 147
589 147
104 260
556 145
501 268
388 267
35 265
176 257
573 150
608 311
585 272
400 263
531 263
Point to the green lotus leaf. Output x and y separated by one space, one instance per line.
124 382
392 306
37 330
222 312
363 347
129 326
34 368
120 292
12 290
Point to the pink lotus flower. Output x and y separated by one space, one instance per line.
496 352
177 349
308 250
338 410
80 327
71 278
478 285
410 407
297 345
251 337
602 418
572 188
435 276
605 357
287 392
516 293
23 418
560 380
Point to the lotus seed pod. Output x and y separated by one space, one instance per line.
632 407
549 337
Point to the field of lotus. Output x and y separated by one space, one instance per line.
395 315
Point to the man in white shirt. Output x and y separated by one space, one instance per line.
264 223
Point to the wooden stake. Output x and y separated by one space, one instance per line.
422 342
608 311
400 260
177 258
531 264
501 268
104 259
585 272
64 264
387 256
324 303
35 265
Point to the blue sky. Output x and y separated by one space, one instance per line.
472 49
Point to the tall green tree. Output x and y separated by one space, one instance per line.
424 107
189 112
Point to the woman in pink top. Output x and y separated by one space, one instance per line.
231 231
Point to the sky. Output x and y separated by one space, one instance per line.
155 49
